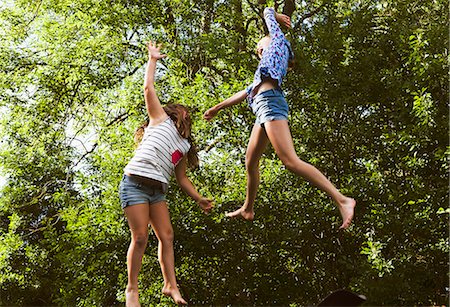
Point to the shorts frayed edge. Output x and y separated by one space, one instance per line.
270 119
138 203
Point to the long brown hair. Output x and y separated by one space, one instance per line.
139 133
182 120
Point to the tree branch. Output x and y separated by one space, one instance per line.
35 13
86 154
312 13
118 119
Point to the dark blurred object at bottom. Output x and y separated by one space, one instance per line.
343 298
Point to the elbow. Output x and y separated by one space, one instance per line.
149 88
184 185
181 180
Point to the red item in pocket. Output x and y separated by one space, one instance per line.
176 156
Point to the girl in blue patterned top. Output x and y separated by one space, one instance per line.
267 101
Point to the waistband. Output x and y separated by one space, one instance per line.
148 182
273 91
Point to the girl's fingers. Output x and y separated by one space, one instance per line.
288 23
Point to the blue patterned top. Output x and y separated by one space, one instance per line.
274 59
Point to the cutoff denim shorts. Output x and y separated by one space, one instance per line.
270 105
132 192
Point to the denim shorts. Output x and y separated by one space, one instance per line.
270 105
133 192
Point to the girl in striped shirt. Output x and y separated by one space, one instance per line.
165 148
267 101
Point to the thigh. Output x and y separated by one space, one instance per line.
257 144
160 220
137 216
280 136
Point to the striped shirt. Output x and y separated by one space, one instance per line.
160 150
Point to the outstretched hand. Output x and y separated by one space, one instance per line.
206 204
283 20
154 51
209 114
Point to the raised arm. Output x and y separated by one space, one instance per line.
235 99
154 109
273 19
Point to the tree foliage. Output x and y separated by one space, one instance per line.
368 100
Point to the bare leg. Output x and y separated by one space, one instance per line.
256 146
137 216
281 139
160 221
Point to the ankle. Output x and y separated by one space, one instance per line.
247 208
169 286
339 199
132 288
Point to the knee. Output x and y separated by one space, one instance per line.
166 237
291 162
140 240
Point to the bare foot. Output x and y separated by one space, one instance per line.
132 298
175 294
241 212
347 209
